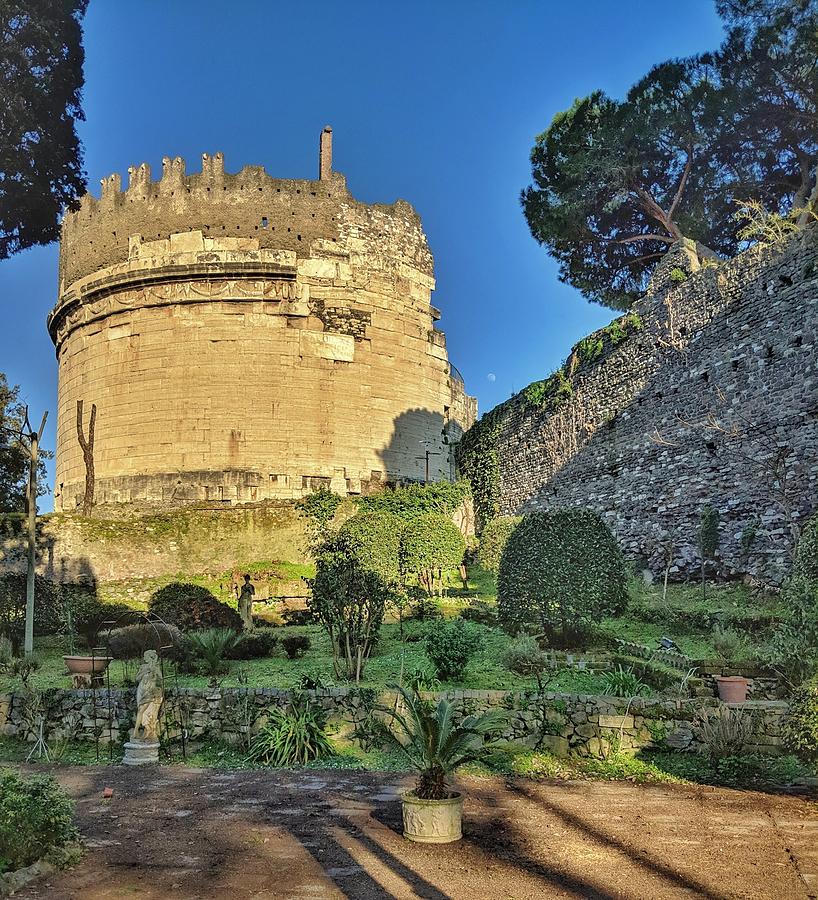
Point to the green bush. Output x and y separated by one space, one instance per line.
192 608
623 683
47 607
296 645
373 539
212 648
525 657
132 641
298 616
418 499
450 646
35 817
480 611
800 727
320 506
559 572
292 736
493 541
430 544
86 615
254 645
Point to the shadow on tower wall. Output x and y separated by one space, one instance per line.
417 432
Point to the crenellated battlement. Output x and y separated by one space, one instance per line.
283 214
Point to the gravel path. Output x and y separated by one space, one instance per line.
170 832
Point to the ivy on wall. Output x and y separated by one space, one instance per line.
478 460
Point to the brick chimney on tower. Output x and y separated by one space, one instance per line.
325 154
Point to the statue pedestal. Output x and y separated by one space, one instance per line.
141 753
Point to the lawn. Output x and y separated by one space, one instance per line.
682 615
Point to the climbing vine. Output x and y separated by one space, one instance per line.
478 460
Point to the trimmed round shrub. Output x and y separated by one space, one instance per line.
494 539
428 543
450 646
296 645
132 641
254 645
35 817
800 727
559 572
191 607
374 539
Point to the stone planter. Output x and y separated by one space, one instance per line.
86 670
732 688
432 821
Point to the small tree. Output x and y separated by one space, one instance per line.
429 545
560 571
708 539
374 539
349 600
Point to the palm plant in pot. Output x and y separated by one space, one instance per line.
426 734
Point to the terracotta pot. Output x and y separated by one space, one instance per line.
86 669
732 688
432 821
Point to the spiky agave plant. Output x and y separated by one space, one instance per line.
211 647
434 746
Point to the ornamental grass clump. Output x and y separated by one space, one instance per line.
624 683
292 736
560 572
427 736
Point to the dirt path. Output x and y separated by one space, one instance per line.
191 833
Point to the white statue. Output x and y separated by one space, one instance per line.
149 695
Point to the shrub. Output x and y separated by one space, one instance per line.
320 507
296 645
297 616
800 727
559 572
433 745
728 644
254 645
450 646
373 539
86 615
493 541
525 657
132 641
429 545
47 607
725 732
349 600
192 608
623 683
292 736
211 648
35 817
418 499
480 611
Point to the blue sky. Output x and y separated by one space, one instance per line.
435 102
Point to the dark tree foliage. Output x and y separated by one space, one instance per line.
13 460
41 78
616 183
768 69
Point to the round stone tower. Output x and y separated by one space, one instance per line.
247 338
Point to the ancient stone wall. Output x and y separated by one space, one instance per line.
561 723
247 338
189 541
707 395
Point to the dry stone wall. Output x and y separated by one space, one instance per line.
711 398
564 724
247 338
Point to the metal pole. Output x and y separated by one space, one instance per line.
427 466
34 449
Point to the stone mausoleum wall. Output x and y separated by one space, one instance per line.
713 400
248 338
561 723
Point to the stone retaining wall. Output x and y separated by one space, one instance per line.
562 723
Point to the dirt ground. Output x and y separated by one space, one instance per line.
191 833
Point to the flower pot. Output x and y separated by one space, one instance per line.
732 688
432 821
86 670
